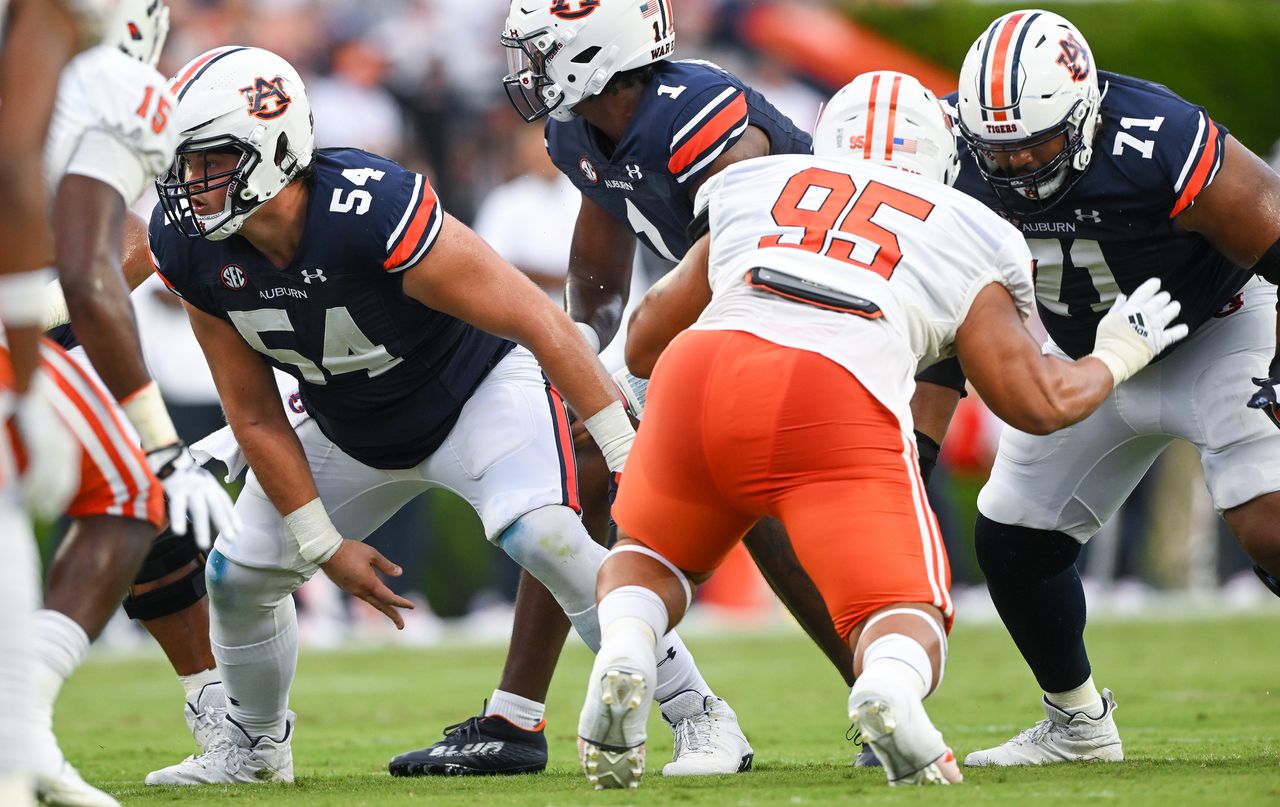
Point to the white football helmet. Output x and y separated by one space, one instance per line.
561 51
139 28
892 119
1028 80
244 101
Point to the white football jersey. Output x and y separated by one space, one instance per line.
112 122
916 248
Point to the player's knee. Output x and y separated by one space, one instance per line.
1007 552
551 543
172 578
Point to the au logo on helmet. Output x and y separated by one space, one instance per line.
267 98
562 9
1074 57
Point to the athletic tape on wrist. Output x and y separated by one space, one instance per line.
317 538
22 297
146 411
644 550
56 312
612 431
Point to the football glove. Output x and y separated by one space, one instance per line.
632 391
194 495
1265 399
52 473
1136 329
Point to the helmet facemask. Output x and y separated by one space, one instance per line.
189 176
532 92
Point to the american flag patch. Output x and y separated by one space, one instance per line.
648 8
905 144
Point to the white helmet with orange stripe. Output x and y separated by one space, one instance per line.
242 101
140 28
892 119
561 51
1029 106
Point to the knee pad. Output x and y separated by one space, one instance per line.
553 546
1005 551
169 553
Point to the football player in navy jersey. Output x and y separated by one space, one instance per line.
638 134
1114 180
414 346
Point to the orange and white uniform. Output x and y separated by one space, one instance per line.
110 123
770 405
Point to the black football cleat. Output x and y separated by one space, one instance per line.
866 754
484 745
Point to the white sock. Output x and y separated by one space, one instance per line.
60 647
1084 698
677 671
631 619
906 653
19 599
192 684
258 676
523 712
587 625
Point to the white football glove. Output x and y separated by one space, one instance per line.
194 494
52 475
1137 329
632 390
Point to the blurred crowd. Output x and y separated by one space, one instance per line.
420 81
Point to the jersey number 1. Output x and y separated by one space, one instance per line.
822 203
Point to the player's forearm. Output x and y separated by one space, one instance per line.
571 365
1051 395
273 451
932 407
596 301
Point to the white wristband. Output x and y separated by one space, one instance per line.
593 338
55 307
612 431
317 538
22 297
146 411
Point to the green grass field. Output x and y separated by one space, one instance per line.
1199 709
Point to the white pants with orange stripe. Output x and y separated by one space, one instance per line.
114 477
509 453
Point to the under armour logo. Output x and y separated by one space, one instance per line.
1138 324
670 656
633 171
318 274
1093 216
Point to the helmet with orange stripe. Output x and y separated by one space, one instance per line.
245 125
139 28
892 119
561 51
1029 107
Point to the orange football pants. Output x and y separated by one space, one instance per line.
736 427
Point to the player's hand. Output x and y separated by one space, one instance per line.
1265 399
632 390
1136 329
52 473
194 495
354 569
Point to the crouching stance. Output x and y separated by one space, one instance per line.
419 355
819 288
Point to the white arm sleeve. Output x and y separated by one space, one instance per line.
102 156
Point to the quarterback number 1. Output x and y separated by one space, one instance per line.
818 201
159 118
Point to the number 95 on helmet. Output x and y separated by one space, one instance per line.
245 131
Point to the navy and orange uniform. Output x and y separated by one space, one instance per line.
691 112
384 376
1115 227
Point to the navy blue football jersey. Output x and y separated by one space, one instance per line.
384 376
1115 227
691 113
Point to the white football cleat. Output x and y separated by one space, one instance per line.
67 789
1060 737
708 739
611 728
234 758
18 790
910 749
205 716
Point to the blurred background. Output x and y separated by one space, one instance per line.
420 81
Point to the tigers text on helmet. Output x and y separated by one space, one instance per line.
561 51
891 119
139 28
240 101
1028 82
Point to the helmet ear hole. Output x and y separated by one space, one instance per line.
282 149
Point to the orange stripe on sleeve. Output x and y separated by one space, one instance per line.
998 64
409 242
1201 175
893 113
871 119
719 125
